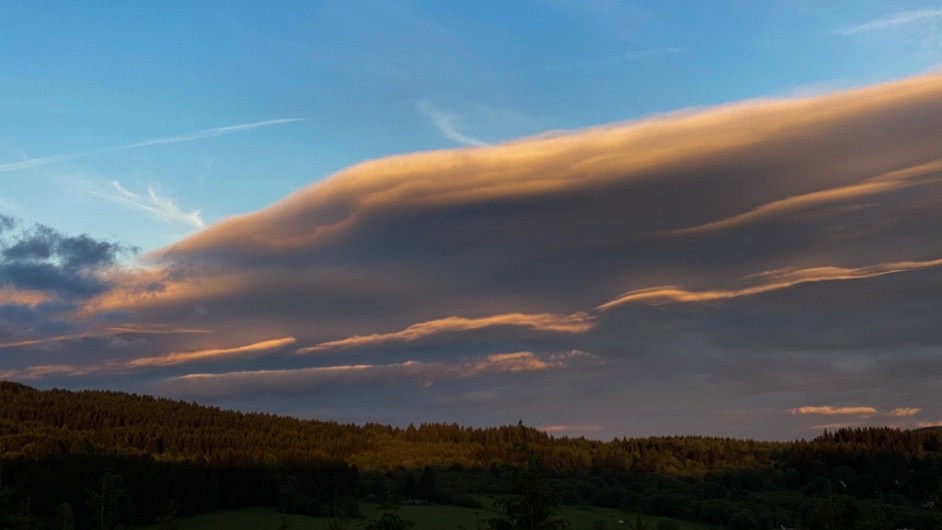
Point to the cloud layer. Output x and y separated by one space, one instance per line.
714 269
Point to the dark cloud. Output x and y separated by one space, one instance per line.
46 277
42 259
718 268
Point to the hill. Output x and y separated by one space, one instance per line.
56 446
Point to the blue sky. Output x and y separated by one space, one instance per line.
148 126
371 79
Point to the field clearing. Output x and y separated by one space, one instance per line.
426 518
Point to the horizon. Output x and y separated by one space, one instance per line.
610 219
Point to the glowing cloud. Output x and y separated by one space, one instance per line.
574 323
240 352
302 379
835 411
776 280
512 362
570 428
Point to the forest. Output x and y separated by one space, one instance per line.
99 459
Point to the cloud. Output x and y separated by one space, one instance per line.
303 379
50 271
39 372
836 426
512 362
892 21
34 162
835 411
774 280
570 428
904 412
161 208
921 174
446 124
209 133
575 323
185 137
240 352
419 266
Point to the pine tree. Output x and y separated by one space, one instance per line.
427 485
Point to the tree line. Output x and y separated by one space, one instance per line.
58 446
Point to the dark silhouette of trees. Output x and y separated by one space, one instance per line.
534 505
389 519
58 446
110 506
427 485
411 491
170 521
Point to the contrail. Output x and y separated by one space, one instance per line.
185 137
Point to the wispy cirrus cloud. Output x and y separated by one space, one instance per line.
574 323
904 412
209 133
184 137
447 124
160 207
892 21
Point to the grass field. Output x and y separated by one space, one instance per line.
426 518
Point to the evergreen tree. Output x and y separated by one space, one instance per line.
411 491
533 505
65 519
427 485
111 505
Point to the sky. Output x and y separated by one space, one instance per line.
605 218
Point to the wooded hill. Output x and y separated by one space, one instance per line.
56 446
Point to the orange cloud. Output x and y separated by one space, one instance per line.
523 361
572 162
138 329
574 323
776 280
278 381
835 411
9 295
38 372
240 352
571 428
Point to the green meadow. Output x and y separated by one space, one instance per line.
425 517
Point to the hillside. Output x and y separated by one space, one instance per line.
57 445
